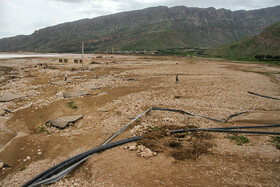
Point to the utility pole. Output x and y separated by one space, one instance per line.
113 50
83 54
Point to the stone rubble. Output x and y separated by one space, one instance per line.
141 150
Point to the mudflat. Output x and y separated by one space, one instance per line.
124 87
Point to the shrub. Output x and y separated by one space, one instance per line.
72 105
240 140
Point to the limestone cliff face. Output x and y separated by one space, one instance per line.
151 28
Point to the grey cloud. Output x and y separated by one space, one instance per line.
71 1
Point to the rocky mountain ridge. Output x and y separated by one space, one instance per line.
150 29
265 44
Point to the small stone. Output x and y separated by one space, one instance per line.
133 148
141 148
59 94
1 165
125 147
28 157
39 153
2 112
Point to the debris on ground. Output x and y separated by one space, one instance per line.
62 122
77 77
95 88
76 94
60 82
100 94
142 151
10 97
3 111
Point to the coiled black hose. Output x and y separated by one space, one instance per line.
76 158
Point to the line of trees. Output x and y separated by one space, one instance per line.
267 58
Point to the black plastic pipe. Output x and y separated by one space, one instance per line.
235 131
47 173
185 112
268 97
235 127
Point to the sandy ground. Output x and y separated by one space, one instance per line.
129 86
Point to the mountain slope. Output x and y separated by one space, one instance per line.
266 43
151 28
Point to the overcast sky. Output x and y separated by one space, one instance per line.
26 16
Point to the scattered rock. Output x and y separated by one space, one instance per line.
59 94
100 94
75 94
10 97
60 82
1 164
77 77
141 150
129 79
146 153
177 96
28 157
2 112
95 88
62 122
133 148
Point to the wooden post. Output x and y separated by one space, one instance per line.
83 54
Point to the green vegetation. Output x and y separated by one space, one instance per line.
240 140
276 141
179 52
154 128
43 129
72 105
264 47
22 168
